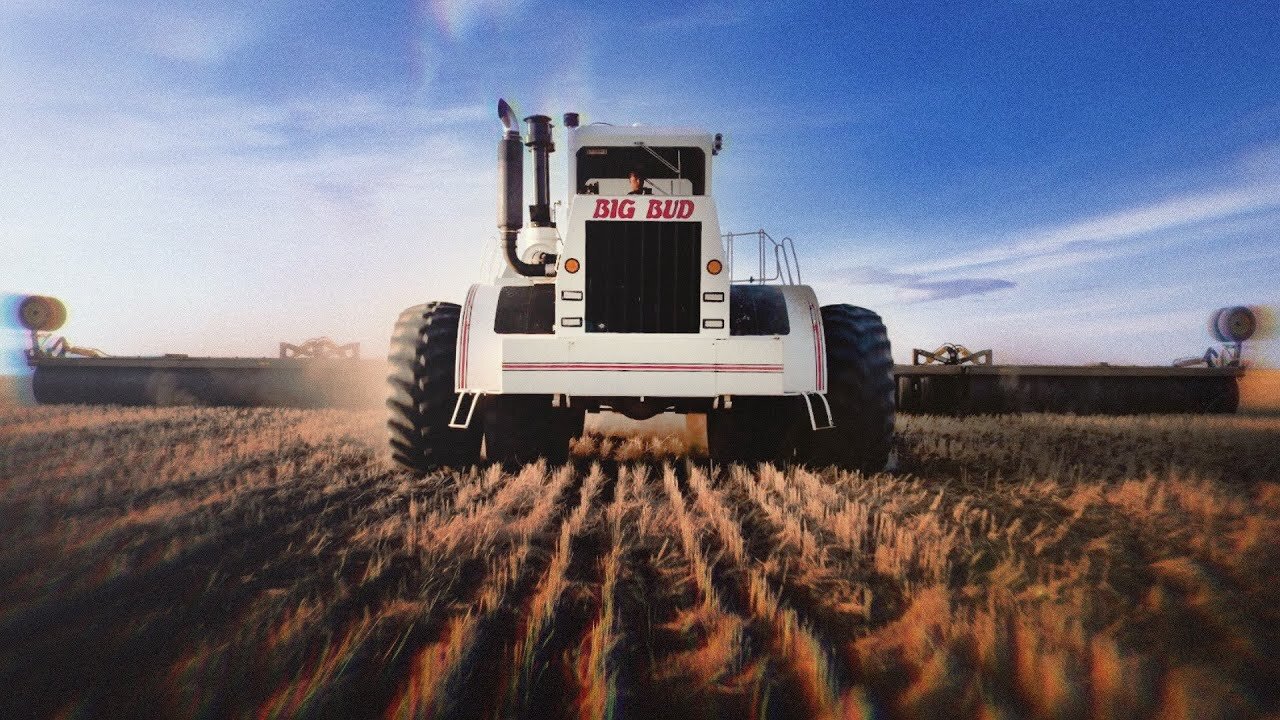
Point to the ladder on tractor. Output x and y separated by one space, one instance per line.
777 261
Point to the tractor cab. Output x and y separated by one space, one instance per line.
670 162
640 250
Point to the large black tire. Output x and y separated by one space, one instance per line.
860 389
422 396
519 429
754 430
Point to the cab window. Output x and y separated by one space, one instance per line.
666 170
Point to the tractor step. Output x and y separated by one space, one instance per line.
821 420
463 398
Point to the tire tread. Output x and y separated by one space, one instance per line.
860 389
421 391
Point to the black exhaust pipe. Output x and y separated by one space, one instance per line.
511 193
540 141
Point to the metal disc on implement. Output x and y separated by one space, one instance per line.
1234 324
42 313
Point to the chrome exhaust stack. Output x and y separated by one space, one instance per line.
511 190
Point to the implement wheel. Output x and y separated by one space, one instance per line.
41 313
860 390
422 395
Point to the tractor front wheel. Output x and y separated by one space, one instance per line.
422 396
860 390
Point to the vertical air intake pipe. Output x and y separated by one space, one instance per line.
540 141
511 193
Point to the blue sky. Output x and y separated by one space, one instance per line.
1063 182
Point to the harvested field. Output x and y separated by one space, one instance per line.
189 562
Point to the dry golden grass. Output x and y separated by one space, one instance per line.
188 562
15 390
1260 391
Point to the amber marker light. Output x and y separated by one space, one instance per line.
714 267
571 265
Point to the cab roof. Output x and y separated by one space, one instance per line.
622 135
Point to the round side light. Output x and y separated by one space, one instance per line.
572 265
714 266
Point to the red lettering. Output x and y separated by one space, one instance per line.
613 208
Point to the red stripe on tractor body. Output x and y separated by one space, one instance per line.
818 379
466 338
640 367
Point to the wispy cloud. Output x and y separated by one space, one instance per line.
918 288
925 291
1096 238
197 38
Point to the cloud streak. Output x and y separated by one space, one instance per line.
1097 238
914 288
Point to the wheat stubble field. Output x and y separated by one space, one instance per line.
184 562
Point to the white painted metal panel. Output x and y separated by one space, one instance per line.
479 356
634 364
805 356
750 365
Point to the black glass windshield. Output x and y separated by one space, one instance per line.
666 170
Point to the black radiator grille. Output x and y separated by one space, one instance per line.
642 277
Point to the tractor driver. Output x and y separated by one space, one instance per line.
637 183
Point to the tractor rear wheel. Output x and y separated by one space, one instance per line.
519 429
754 430
422 395
860 390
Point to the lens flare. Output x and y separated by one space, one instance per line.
1265 318
9 311
15 377
454 18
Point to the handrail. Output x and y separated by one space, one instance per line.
785 266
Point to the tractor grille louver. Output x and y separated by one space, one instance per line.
642 277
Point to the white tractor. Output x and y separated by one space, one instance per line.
629 305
